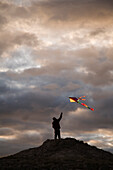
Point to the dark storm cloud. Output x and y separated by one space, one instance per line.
61 10
97 31
90 67
6 131
3 21
61 88
83 120
36 106
3 88
74 12
39 104
9 40
56 12
99 71
11 10
25 38
28 100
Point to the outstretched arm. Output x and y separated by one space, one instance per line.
60 117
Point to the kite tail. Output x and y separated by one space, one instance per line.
87 106
92 109
83 104
80 98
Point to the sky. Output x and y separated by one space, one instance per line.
51 50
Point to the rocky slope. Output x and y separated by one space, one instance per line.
64 154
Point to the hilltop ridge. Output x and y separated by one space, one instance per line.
64 154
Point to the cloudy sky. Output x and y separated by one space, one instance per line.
50 50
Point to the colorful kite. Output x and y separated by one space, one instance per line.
74 99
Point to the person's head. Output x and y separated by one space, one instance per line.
54 118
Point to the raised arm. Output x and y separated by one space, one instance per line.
60 117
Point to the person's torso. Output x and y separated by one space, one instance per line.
56 124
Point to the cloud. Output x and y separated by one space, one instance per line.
51 50
9 40
82 13
6 132
70 13
3 21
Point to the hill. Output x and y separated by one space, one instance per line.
64 154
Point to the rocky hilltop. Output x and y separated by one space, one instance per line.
64 154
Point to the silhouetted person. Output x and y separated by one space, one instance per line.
56 126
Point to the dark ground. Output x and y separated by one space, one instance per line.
64 154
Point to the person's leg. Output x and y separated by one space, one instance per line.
55 134
59 134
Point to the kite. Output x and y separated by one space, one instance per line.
74 99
